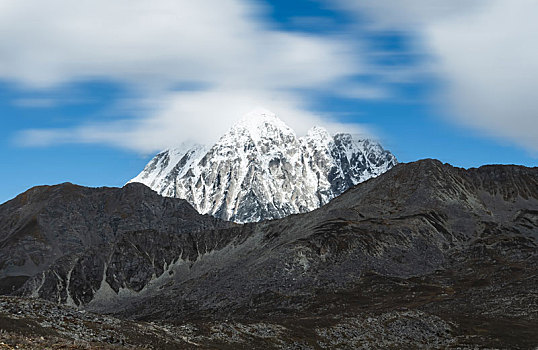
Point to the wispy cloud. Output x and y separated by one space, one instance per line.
483 51
225 46
193 116
34 102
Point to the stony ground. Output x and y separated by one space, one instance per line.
438 311
32 324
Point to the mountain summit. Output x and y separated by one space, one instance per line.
260 169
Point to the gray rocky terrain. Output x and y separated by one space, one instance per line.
56 240
424 256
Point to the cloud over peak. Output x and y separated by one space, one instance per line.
224 46
231 57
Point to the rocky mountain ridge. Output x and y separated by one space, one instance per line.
424 254
57 242
261 170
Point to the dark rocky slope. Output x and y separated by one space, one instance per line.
416 220
426 255
56 240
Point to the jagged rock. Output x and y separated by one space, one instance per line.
55 241
261 170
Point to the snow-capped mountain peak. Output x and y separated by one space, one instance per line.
259 115
259 169
317 131
260 124
318 137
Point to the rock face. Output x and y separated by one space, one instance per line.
423 254
414 220
260 170
56 241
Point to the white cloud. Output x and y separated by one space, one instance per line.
484 52
210 114
160 42
154 46
489 61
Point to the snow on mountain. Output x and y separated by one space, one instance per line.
261 170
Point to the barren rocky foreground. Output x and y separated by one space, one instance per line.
424 256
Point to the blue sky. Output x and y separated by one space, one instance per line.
89 92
